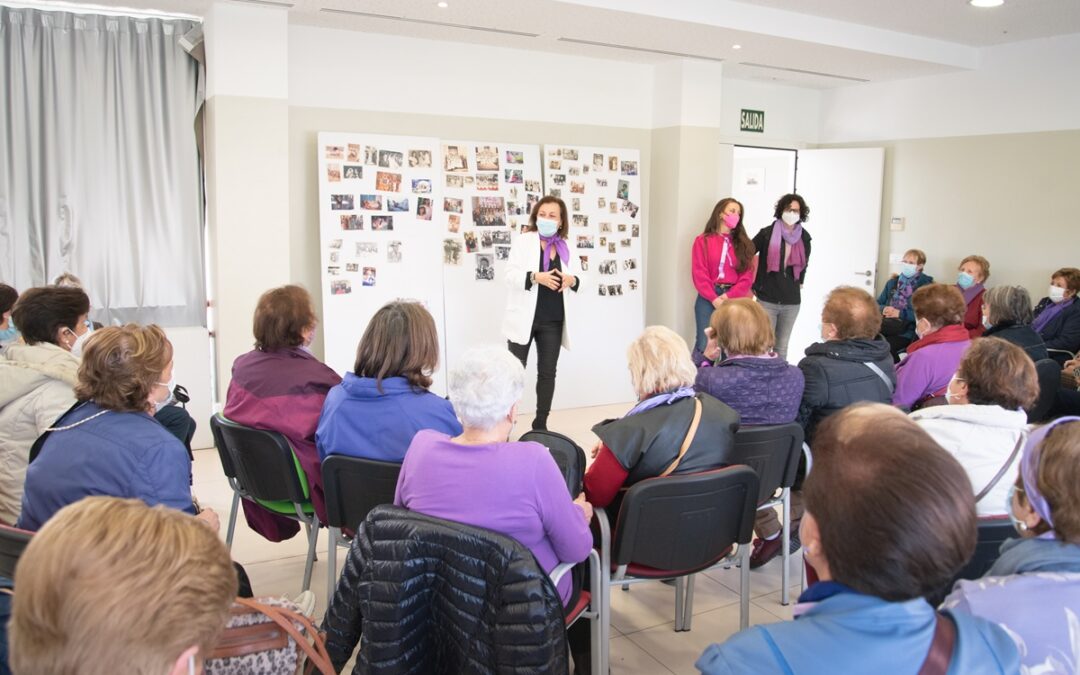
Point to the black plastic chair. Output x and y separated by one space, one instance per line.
230 473
1049 372
266 471
13 542
568 456
676 526
353 486
992 534
773 452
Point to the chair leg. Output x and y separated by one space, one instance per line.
744 587
688 605
331 564
313 540
680 600
596 627
785 576
232 519
626 587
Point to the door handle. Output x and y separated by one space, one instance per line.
866 273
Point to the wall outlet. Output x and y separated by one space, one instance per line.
897 224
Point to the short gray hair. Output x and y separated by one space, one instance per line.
1008 303
484 384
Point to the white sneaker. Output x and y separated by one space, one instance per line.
306 602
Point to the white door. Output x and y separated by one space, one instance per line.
842 187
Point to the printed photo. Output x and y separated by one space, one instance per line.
613 206
471 243
468 181
532 186
485 239
602 290
381 223
333 173
629 169
423 185
598 161
454 160
633 284
603 242
630 207
625 243
570 153
573 171
489 211
580 220
451 205
453 222
613 163
420 159
555 192
583 263
367 248
352 221
371 202
501 237
512 192
352 267
605 228
335 152
515 209
335 256
397 204
487 158
513 176
487 181
340 287
623 191
371 155
584 241
577 187
558 179
353 153
393 252
341 202
335 243
601 182
369 276
451 252
608 267
353 172
515 157
634 231
615 289
629 264
333 270
391 159
575 203
485 267
423 208
388 182
502 252
584 169
622 227
601 203
530 203
554 152
611 247
455 181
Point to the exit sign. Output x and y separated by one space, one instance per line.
752 120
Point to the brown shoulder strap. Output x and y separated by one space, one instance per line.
317 656
689 437
941 647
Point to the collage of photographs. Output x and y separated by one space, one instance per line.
373 189
602 191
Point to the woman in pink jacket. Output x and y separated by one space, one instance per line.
722 263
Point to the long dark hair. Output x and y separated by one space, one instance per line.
744 248
564 218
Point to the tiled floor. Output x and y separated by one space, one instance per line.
643 639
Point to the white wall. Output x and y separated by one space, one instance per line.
1022 87
792 114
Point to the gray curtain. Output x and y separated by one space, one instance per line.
101 175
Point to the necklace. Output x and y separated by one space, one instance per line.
72 426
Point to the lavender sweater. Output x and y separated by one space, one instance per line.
763 390
513 488
926 371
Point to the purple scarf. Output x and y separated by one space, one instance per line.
665 398
1048 314
902 293
793 238
561 249
970 292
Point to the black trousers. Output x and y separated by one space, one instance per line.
548 338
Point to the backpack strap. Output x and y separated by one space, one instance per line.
941 647
880 373
1004 467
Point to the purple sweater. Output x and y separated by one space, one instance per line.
513 488
763 390
926 371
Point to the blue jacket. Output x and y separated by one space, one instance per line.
907 315
116 454
1063 331
359 421
855 633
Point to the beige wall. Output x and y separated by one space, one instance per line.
1007 197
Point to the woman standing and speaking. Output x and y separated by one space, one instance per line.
539 273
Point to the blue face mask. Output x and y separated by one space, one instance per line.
9 334
965 280
547 228
908 270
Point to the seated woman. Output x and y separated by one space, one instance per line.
111 444
375 412
867 613
973 272
479 477
898 317
1007 315
280 386
932 359
1067 399
1033 589
759 385
111 586
985 419
1057 316
9 331
37 380
645 442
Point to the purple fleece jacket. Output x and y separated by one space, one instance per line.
927 370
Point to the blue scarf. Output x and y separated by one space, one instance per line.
663 398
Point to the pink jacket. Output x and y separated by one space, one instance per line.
705 266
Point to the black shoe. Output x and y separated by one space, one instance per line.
539 424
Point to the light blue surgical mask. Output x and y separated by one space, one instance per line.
908 270
965 280
1018 524
546 227
9 334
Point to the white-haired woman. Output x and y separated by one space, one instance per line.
648 441
481 478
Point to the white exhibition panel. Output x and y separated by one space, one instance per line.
488 191
602 191
380 234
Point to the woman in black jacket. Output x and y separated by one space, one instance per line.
783 252
1007 315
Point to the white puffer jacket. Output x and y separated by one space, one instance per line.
981 438
36 387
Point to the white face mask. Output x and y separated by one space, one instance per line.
80 341
950 397
170 385
790 217
1057 294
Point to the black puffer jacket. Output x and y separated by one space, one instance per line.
425 595
836 376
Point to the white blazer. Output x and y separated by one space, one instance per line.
521 303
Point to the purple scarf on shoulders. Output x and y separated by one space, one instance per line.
664 398
970 292
1048 314
561 249
793 238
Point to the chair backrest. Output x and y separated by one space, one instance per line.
992 534
222 450
263 461
353 486
13 542
568 455
1049 372
686 522
773 452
